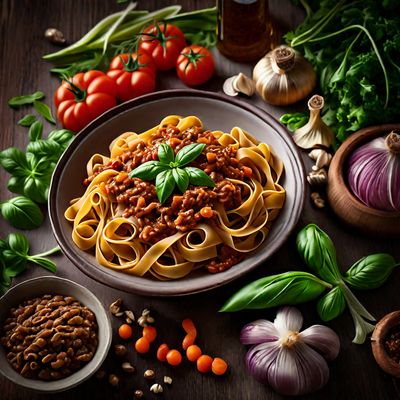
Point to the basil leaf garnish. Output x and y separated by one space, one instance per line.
28 120
198 177
35 131
188 153
22 213
165 153
165 184
331 305
25 99
181 178
44 111
147 171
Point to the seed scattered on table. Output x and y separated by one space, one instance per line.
168 380
138 394
120 350
128 367
156 388
113 380
149 374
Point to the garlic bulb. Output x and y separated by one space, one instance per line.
284 76
290 361
315 132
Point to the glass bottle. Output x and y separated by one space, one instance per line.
244 29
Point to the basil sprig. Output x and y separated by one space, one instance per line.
14 259
170 171
318 252
22 213
18 101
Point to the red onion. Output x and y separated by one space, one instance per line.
290 361
374 173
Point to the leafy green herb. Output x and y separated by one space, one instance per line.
22 213
294 121
14 258
44 111
27 120
169 173
35 131
318 252
25 99
288 288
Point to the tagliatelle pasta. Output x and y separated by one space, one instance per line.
130 231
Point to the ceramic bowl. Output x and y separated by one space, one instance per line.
218 112
53 285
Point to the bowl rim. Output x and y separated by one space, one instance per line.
148 290
107 329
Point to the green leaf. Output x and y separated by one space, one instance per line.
14 161
276 290
22 213
294 121
165 184
18 243
44 111
181 178
332 304
188 153
27 120
25 99
44 262
198 177
318 252
37 188
148 171
45 148
62 136
165 153
16 184
370 272
35 131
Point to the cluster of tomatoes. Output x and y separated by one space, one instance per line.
161 47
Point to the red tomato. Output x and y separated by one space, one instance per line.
195 65
84 98
163 42
134 75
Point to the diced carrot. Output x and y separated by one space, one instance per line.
188 326
203 140
162 352
188 340
206 212
121 177
173 142
211 157
247 171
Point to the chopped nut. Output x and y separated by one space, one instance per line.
168 380
318 201
149 374
100 374
116 306
113 380
54 36
120 350
128 368
156 388
316 178
130 317
138 394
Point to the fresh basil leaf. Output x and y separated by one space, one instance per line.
148 171
45 148
37 188
188 153
165 184
22 213
16 267
181 178
18 243
318 252
14 161
44 111
16 184
25 99
331 305
165 153
28 120
62 136
276 290
44 262
370 272
35 131
198 177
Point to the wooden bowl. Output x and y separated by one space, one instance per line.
348 208
377 342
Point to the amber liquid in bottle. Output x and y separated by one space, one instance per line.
244 29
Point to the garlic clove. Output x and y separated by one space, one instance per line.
259 332
318 177
321 157
244 84
228 87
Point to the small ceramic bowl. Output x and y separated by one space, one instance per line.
53 285
377 341
348 208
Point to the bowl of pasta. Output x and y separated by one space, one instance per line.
181 186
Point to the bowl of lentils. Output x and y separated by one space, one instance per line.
54 334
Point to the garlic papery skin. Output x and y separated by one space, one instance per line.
290 361
374 173
283 76
315 132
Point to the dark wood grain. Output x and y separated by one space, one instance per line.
354 375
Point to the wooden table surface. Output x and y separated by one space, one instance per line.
354 374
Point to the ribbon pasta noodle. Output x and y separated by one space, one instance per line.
120 231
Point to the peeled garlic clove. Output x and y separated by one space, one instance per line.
322 158
317 178
244 84
228 87
315 132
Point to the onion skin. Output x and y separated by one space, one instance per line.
374 175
